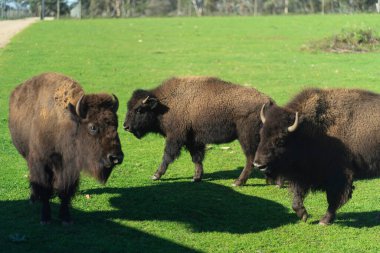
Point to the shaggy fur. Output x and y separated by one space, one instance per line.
57 142
337 139
195 111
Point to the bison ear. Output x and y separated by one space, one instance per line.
80 109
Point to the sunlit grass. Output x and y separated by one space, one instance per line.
132 213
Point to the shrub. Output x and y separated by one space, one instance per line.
349 40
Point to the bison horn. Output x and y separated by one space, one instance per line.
262 117
293 127
116 102
77 107
145 100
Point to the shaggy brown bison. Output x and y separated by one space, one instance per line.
320 141
194 111
59 131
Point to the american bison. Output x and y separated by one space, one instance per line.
60 131
321 140
195 111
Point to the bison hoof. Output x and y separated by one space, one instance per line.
323 223
155 177
195 180
238 183
304 217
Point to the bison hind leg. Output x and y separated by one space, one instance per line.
41 177
197 152
338 192
299 194
246 171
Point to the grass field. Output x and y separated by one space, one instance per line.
134 214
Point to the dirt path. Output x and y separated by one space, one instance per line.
9 28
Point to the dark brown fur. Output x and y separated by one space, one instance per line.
195 111
56 142
338 138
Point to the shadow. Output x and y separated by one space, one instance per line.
91 232
205 207
359 220
220 175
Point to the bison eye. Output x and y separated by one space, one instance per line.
92 129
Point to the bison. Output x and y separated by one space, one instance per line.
321 140
195 111
59 130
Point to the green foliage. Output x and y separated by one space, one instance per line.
352 39
134 214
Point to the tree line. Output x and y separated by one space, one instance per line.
138 8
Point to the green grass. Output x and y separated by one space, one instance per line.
132 213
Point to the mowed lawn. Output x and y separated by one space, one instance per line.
131 213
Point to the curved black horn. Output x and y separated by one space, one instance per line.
77 107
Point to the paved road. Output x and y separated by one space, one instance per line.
9 28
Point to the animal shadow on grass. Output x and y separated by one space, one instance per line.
359 220
91 232
222 175
205 207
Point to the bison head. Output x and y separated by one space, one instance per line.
98 144
143 112
276 138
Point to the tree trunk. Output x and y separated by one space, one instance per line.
197 10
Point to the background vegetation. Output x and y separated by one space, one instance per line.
141 8
134 214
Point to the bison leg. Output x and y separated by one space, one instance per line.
338 192
249 140
41 186
197 154
246 171
65 197
172 151
299 195
279 181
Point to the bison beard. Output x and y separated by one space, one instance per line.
60 131
194 111
321 140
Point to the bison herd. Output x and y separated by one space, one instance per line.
322 139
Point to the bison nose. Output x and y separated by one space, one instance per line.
125 126
115 159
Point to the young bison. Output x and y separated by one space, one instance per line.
59 131
319 141
195 111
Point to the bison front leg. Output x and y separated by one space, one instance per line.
197 152
65 196
299 195
172 151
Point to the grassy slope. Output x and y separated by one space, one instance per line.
133 213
